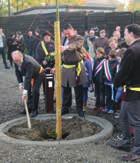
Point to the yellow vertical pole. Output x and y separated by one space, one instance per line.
58 76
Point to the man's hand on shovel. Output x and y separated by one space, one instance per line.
24 96
21 88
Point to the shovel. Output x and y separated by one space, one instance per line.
27 114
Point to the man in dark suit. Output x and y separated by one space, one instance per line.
31 69
128 75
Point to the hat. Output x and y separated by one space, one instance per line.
46 33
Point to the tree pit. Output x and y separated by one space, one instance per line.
73 128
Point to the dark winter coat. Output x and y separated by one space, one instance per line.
72 56
129 71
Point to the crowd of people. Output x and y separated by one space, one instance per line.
107 65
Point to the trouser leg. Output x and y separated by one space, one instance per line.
3 56
107 96
79 97
133 111
67 98
36 92
30 99
10 59
85 95
97 94
100 94
124 122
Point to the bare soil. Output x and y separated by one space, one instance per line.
73 128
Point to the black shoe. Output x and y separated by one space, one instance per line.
34 114
81 114
123 144
7 67
64 111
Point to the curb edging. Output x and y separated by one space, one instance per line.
106 132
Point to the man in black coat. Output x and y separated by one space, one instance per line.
45 54
128 75
29 42
31 69
45 51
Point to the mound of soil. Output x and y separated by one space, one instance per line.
73 128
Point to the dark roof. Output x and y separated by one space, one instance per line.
95 6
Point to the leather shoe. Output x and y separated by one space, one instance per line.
34 114
122 144
119 142
130 157
126 148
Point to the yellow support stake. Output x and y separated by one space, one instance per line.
58 80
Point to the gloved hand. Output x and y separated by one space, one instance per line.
24 95
21 87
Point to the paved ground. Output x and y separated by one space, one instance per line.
9 109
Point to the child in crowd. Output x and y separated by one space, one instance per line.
98 78
120 94
88 67
110 69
